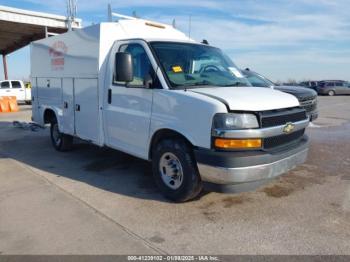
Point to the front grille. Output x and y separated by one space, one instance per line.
281 140
309 105
307 98
281 117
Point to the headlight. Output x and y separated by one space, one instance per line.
235 121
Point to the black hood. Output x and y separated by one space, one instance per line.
299 92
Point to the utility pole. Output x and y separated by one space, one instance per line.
5 66
71 12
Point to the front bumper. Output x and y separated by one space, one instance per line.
250 167
312 115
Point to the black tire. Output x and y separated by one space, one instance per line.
331 93
61 142
191 184
28 102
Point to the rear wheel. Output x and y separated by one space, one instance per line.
175 170
331 93
61 142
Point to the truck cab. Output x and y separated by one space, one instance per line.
146 89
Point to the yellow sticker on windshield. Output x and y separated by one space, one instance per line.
177 69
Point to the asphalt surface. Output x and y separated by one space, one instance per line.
99 201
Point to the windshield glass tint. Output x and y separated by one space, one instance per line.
192 65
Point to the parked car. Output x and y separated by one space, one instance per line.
307 97
146 89
16 88
309 84
333 87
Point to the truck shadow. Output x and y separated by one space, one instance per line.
103 168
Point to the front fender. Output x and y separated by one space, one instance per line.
187 113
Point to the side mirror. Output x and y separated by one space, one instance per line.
148 81
123 67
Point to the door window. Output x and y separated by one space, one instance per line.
5 85
340 84
141 64
330 84
16 84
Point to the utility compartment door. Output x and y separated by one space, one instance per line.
86 108
68 106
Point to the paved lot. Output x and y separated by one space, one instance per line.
99 201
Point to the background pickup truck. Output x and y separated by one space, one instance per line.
306 97
16 88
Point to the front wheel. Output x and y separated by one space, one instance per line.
175 170
61 142
331 93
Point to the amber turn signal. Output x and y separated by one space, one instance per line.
237 143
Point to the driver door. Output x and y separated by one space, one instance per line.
129 105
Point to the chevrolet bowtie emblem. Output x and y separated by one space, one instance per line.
288 128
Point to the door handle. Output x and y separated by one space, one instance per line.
65 104
109 96
77 107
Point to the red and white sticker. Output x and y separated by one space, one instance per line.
57 52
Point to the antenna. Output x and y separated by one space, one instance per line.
110 16
189 26
71 12
134 14
174 23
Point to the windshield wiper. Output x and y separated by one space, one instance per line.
203 83
235 84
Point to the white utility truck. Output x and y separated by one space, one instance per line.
146 89
16 88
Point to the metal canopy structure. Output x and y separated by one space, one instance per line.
20 27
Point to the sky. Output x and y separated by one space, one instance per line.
281 39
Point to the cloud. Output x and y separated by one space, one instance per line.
279 37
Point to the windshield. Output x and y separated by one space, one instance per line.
257 80
193 66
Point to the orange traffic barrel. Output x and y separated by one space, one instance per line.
13 104
4 104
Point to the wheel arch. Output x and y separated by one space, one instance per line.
164 134
48 115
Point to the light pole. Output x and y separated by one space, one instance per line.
4 62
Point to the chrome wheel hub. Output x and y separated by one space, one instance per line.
171 171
